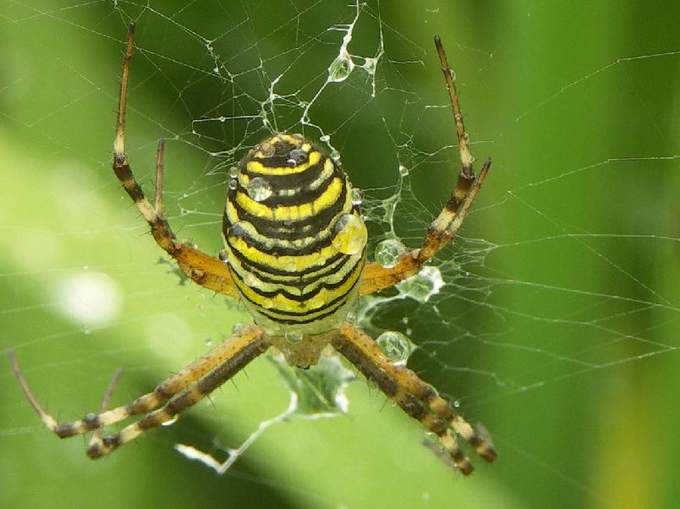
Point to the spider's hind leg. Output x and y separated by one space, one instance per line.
416 398
244 348
218 356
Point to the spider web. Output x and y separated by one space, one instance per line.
552 320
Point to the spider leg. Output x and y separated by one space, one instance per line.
415 397
244 351
221 354
97 435
200 267
445 226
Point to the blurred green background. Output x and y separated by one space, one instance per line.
558 326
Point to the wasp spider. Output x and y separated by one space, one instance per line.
295 254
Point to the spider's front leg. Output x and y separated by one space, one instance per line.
445 226
200 267
415 397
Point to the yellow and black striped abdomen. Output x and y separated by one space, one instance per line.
295 241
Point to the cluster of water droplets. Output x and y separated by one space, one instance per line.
421 287
233 178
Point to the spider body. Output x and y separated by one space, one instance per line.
294 238
295 254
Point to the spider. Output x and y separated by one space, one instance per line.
295 253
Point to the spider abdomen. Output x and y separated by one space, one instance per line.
295 241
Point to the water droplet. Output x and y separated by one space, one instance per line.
259 189
403 170
171 421
357 196
233 184
237 230
388 251
335 155
350 234
341 68
296 156
370 64
396 346
325 138
293 336
233 172
208 341
237 328
423 285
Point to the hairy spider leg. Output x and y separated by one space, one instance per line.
222 353
244 350
415 397
201 268
443 229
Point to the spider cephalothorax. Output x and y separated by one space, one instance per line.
295 253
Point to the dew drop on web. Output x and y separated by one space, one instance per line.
396 346
423 285
388 251
341 68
